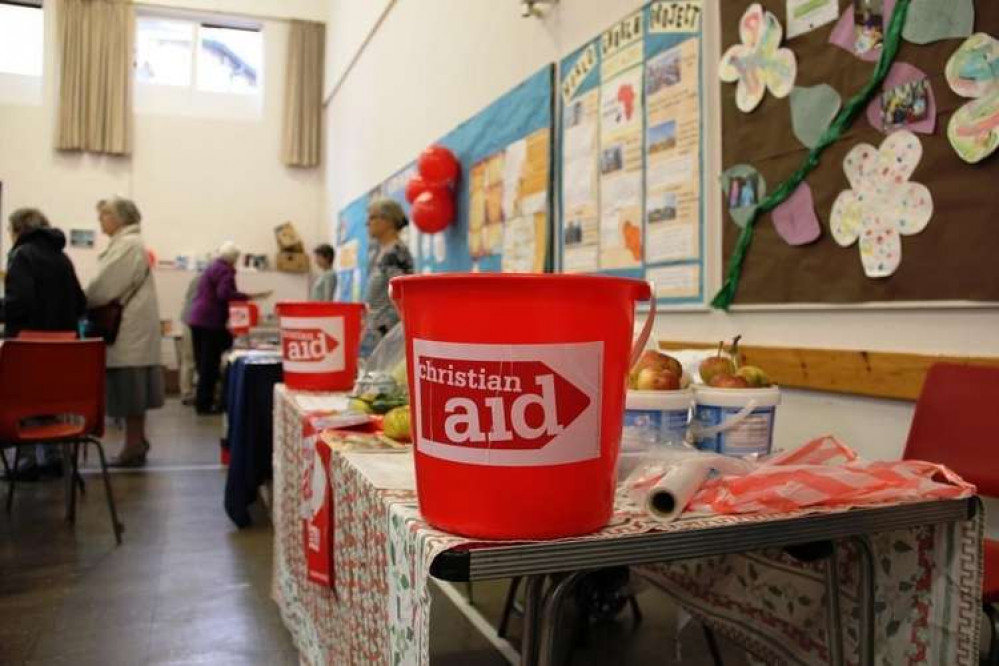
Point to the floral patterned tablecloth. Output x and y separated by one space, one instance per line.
928 585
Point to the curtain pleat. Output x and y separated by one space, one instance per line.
303 97
96 40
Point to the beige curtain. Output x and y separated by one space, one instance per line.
303 96
95 87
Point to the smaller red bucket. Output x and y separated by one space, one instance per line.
243 315
319 344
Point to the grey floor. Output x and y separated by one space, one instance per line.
188 588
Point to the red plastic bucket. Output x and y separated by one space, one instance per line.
319 344
517 387
243 315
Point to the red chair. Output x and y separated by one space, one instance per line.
46 335
44 379
954 425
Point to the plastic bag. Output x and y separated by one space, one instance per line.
667 477
383 383
826 472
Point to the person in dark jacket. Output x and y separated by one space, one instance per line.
41 293
41 290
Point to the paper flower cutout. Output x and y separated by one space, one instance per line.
973 71
882 205
759 62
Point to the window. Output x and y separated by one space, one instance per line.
22 36
229 59
210 58
164 52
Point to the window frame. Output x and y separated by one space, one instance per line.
30 4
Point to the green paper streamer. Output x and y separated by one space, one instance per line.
723 299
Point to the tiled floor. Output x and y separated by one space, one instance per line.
188 588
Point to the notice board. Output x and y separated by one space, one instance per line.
952 258
631 152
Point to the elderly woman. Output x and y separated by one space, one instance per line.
207 318
134 370
388 257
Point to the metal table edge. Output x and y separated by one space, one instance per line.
484 562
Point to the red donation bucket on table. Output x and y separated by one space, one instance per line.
319 344
517 389
243 315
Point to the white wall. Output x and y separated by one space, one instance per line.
434 63
309 10
198 180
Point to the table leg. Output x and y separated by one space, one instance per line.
554 604
834 624
868 590
69 482
533 592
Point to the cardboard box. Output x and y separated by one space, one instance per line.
288 239
292 262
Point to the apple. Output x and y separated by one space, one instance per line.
651 358
728 381
715 365
754 376
650 379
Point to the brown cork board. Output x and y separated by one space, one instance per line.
956 258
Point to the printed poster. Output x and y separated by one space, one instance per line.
673 140
580 203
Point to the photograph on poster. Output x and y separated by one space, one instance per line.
905 104
868 18
662 137
663 72
82 238
742 191
611 159
662 207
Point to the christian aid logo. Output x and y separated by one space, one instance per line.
308 346
508 404
311 345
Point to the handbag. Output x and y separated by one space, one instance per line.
105 321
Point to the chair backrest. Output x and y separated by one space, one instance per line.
47 378
957 423
46 335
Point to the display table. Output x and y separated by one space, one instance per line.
908 577
250 377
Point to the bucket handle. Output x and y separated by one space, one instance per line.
650 318
697 432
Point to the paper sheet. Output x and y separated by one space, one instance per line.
744 188
621 171
973 71
683 281
807 15
932 20
812 111
520 245
672 144
906 100
758 63
309 402
580 184
795 219
882 205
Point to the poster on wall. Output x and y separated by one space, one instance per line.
631 152
502 198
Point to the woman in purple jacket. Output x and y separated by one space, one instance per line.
207 319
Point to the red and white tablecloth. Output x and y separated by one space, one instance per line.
928 585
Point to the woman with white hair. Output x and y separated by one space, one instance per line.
388 257
207 318
134 370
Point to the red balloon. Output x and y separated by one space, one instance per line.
438 166
415 187
433 210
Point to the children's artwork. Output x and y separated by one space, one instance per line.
812 111
882 205
860 30
744 189
906 101
758 63
973 71
932 20
795 219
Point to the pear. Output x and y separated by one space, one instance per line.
755 376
